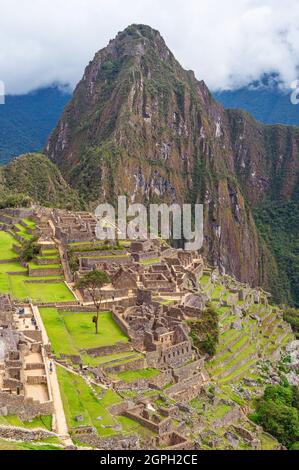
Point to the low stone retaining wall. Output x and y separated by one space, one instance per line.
42 281
91 262
20 434
115 443
107 350
45 272
44 261
36 335
37 380
12 260
159 381
55 304
78 309
122 324
139 363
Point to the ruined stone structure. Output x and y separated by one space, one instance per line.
24 380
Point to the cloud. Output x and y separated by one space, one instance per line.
227 43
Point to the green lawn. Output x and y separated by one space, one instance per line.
6 242
204 280
79 399
70 332
54 292
151 261
10 445
131 375
44 422
34 265
22 232
30 223
60 338
82 330
16 286
111 359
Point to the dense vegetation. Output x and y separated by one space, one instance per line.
277 411
291 315
29 250
205 331
33 178
278 224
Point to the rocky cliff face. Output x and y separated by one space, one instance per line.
141 125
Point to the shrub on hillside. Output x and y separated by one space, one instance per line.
277 412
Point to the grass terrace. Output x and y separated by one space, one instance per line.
14 445
132 375
23 232
34 265
71 332
43 422
6 243
16 285
79 399
151 261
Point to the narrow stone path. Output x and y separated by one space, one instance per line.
59 424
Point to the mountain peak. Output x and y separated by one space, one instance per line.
135 41
143 30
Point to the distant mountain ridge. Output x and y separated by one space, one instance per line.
265 100
27 120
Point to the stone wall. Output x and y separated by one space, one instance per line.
90 263
36 335
172 356
159 381
25 408
45 261
121 323
159 428
115 443
184 372
174 441
187 389
24 435
139 363
45 272
107 350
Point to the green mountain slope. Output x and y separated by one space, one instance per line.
33 178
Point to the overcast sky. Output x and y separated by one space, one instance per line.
228 43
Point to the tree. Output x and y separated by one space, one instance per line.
93 282
29 250
277 413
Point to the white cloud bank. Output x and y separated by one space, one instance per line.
228 43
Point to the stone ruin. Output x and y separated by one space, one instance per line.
24 379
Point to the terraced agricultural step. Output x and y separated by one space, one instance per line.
268 318
236 376
123 359
233 355
231 344
278 342
236 363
